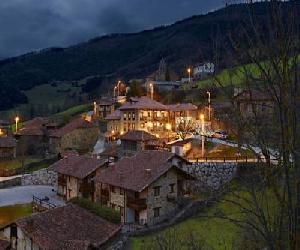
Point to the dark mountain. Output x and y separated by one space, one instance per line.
126 55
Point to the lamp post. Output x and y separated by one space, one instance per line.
17 119
189 71
151 90
202 134
208 105
115 91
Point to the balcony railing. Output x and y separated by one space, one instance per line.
137 204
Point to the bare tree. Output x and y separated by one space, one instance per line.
270 46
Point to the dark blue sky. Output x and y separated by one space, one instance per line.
28 25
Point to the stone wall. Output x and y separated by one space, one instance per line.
10 183
41 177
212 175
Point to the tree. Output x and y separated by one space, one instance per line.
269 202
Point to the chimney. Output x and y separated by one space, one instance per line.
148 172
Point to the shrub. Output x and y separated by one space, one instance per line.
95 208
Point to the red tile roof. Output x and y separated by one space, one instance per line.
69 227
116 115
143 102
77 166
182 107
71 126
137 135
35 127
138 172
7 142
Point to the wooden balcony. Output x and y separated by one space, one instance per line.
62 181
136 204
87 188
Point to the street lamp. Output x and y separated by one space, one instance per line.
151 90
202 134
189 71
17 119
208 105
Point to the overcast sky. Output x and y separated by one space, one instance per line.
27 25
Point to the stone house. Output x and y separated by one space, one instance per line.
134 141
251 102
104 108
67 227
145 187
79 135
32 138
75 174
4 127
114 124
8 147
183 113
144 114
182 147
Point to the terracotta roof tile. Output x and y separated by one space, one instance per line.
7 142
137 135
143 102
34 127
69 227
116 115
74 124
138 172
182 107
77 166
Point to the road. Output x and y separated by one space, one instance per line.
23 194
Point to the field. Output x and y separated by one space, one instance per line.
47 99
11 213
17 163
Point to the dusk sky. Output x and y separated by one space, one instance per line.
28 25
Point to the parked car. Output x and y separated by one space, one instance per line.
220 134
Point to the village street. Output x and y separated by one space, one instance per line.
24 194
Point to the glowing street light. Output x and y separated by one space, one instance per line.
151 90
189 71
202 134
17 119
208 105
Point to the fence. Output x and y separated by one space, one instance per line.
227 159
42 204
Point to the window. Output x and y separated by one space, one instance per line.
156 191
172 188
156 212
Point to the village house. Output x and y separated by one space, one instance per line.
79 135
134 141
145 187
67 227
114 124
8 147
182 147
32 138
75 174
183 113
144 114
104 108
4 127
253 102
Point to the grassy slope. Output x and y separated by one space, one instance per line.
11 213
226 77
214 232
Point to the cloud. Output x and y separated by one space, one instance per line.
28 25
